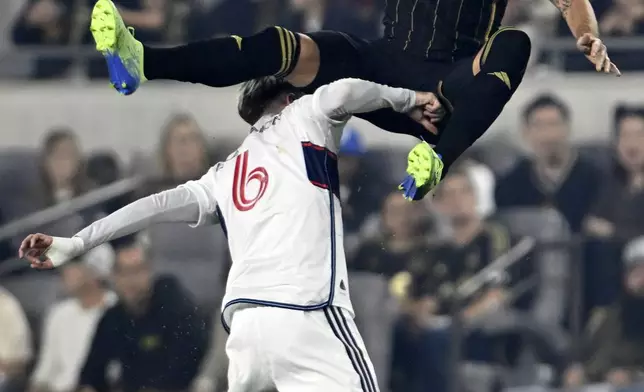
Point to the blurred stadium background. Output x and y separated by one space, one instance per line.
523 273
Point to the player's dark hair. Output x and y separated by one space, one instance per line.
546 101
258 95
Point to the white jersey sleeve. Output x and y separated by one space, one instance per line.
337 101
190 203
203 192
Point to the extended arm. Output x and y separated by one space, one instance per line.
174 205
190 203
581 19
345 97
579 15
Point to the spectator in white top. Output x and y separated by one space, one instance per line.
15 342
71 323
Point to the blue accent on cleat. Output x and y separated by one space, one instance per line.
123 81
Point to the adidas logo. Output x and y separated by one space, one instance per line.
342 286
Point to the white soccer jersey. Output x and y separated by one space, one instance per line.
277 197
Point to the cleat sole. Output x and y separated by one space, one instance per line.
103 26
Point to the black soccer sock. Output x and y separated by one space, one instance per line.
222 62
475 108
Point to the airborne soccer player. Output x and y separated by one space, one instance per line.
455 48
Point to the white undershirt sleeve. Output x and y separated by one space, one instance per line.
339 100
186 203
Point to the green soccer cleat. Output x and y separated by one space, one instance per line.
424 172
122 52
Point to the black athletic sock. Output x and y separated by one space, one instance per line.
222 62
474 112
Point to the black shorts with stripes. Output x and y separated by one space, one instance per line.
381 61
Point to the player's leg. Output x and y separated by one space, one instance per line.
498 70
322 351
244 349
216 62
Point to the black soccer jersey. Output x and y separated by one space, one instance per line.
445 30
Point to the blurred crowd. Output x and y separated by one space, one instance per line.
47 26
141 314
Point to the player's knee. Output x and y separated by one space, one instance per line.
508 51
308 62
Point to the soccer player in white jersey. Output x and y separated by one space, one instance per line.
287 305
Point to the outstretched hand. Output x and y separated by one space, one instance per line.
428 111
596 53
34 249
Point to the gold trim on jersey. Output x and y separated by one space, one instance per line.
490 23
431 41
458 19
411 25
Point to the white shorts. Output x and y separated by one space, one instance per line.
294 351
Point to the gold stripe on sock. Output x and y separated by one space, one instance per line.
280 31
294 45
289 51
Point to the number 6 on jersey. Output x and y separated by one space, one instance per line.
242 181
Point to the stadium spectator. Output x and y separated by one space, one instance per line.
183 149
71 323
421 344
360 196
147 17
47 23
399 241
619 212
211 18
103 169
473 244
154 331
15 343
554 174
618 215
63 171
614 340
358 18
61 178
623 18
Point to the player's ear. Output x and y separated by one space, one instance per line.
290 98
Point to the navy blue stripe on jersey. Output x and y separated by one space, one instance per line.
351 353
321 167
362 360
222 222
274 304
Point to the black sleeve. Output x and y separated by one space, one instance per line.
100 353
